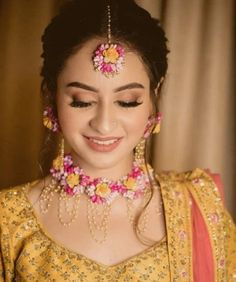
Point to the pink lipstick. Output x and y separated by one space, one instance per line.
99 144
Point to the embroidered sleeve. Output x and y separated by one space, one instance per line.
1 262
6 264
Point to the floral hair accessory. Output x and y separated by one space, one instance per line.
49 120
74 181
109 58
153 125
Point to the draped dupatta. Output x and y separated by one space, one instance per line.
196 223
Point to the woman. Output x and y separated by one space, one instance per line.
102 214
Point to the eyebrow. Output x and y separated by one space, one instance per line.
133 85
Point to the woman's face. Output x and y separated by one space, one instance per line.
102 119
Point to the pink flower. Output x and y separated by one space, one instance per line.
183 273
221 263
182 235
214 217
69 191
195 181
177 194
138 193
109 58
96 199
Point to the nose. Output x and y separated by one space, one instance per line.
104 120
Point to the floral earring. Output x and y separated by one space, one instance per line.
152 127
49 120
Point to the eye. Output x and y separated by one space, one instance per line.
80 104
129 104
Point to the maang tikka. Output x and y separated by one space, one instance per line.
108 58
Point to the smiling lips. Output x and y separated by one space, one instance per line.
103 144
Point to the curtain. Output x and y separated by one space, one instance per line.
198 99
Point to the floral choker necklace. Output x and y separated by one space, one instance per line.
73 181
70 182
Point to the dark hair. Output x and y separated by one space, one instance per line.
80 20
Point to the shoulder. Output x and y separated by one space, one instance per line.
198 184
188 175
15 207
12 196
196 178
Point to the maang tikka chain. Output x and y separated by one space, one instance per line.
108 58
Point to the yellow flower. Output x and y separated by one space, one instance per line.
47 122
130 183
110 55
72 180
58 163
103 190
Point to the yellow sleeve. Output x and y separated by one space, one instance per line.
6 250
1 262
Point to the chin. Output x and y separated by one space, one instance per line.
103 162
99 160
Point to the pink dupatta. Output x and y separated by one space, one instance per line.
203 263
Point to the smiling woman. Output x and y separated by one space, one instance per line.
102 213
113 110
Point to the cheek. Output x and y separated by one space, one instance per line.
67 117
135 125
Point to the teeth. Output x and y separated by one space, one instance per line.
108 142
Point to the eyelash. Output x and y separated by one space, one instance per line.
132 104
80 104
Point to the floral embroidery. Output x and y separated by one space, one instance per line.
182 235
214 217
177 211
198 181
222 262
221 228
183 273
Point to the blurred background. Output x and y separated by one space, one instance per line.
198 100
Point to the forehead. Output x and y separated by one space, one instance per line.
79 66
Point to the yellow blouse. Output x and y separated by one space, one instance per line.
29 254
